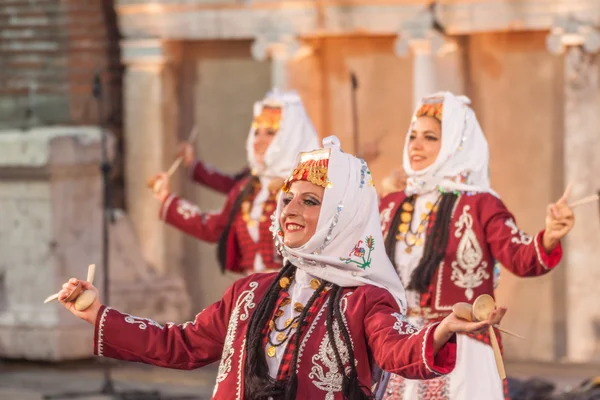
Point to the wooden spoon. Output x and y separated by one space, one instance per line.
465 311
82 300
482 308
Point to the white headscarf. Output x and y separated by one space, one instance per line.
463 161
296 134
348 222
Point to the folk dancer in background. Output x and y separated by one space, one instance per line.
280 130
443 234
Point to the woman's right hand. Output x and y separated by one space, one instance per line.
161 189
187 152
89 314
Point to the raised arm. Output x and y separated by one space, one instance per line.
213 178
205 175
188 217
181 346
520 253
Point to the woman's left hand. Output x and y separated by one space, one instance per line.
559 221
452 324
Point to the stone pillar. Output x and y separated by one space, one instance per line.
281 49
579 44
437 64
150 136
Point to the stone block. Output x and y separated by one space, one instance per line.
51 195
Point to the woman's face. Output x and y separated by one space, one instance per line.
300 213
425 141
262 139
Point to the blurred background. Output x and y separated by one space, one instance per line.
145 72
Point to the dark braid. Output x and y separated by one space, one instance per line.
435 245
352 389
241 175
258 384
256 372
291 388
246 191
390 240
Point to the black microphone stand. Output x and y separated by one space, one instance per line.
108 388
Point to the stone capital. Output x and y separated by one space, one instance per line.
568 31
420 36
280 48
149 53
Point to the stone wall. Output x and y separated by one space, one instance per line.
49 53
51 197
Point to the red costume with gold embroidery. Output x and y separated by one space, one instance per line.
379 334
241 228
482 230
241 248
215 179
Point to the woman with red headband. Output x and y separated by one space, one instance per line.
443 234
280 130
313 330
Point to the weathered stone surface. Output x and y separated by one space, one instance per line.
51 197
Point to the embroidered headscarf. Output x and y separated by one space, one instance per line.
347 248
463 161
285 113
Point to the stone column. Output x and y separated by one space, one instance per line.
150 136
436 60
281 49
579 45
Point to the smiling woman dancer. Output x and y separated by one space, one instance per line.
312 330
443 234
280 130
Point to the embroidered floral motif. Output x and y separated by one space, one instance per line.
467 273
360 252
435 389
365 175
143 322
403 326
386 215
520 237
246 302
325 372
395 388
187 210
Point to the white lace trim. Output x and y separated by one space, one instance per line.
539 255
101 331
427 333
385 216
165 207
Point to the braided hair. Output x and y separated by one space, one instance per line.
435 245
246 192
258 384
